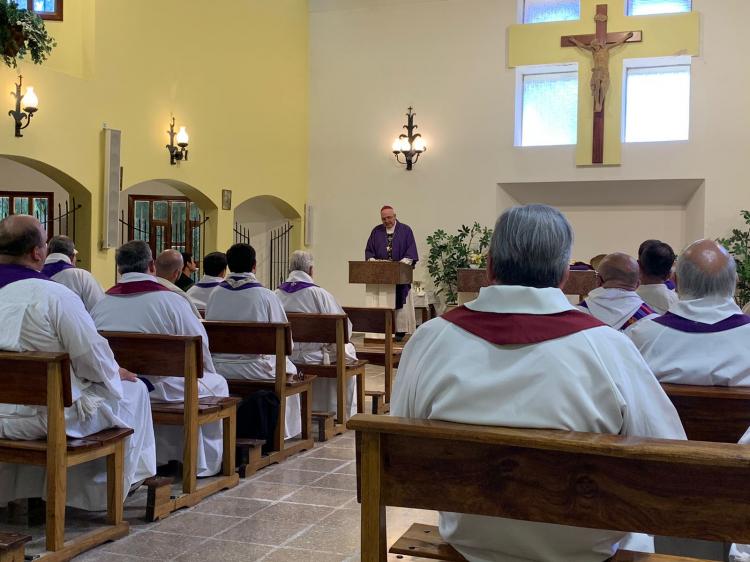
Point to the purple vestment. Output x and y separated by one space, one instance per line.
694 327
295 286
11 273
404 246
52 269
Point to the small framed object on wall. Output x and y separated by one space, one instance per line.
47 9
226 199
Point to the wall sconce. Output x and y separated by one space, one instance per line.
179 151
30 105
411 145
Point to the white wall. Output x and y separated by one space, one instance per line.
370 59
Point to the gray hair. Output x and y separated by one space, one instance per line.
531 246
301 261
695 282
62 245
133 257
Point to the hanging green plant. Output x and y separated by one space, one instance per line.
738 244
22 34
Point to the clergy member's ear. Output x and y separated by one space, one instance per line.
311 271
491 271
152 267
566 275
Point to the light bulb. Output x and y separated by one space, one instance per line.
182 137
405 146
396 145
419 145
30 101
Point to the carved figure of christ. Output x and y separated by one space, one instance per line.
599 45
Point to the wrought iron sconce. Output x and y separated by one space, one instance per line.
30 106
411 144
179 151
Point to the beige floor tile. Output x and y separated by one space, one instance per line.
295 555
151 545
344 540
99 556
225 551
195 524
295 513
321 496
350 468
285 476
337 453
338 481
318 465
342 518
260 490
263 531
235 507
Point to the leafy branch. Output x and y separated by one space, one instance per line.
22 34
738 244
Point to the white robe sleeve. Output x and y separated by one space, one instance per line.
90 355
326 303
189 325
91 291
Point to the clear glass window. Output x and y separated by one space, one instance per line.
651 7
549 109
657 104
538 11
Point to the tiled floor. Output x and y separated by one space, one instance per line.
304 509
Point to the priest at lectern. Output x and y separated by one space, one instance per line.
394 241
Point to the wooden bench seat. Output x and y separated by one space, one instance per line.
267 338
156 355
685 489
711 413
43 379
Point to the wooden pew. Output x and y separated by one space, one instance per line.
43 379
330 328
387 354
711 413
675 488
155 355
13 547
268 339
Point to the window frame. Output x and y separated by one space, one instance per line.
521 73
31 195
654 62
57 15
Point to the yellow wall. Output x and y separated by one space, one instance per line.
237 78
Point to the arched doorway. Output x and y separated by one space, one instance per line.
167 214
272 226
59 201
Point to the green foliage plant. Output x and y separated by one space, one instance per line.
451 252
738 244
22 35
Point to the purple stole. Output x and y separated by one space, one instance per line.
516 329
295 286
643 311
693 327
136 288
670 284
208 284
225 285
404 246
52 269
11 273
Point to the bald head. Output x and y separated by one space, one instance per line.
169 265
706 269
619 271
23 241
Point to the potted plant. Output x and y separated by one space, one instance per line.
22 34
451 252
738 244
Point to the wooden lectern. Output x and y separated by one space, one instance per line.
580 283
380 279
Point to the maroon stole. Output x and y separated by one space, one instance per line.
502 328
136 288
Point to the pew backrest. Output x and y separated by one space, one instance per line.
318 328
675 488
25 378
370 319
711 413
249 337
157 355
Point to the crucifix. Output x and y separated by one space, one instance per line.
599 45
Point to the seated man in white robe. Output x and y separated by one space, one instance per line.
37 314
214 271
615 301
299 293
138 303
241 298
703 339
60 266
655 260
168 270
521 355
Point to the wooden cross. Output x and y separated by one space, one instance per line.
599 44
